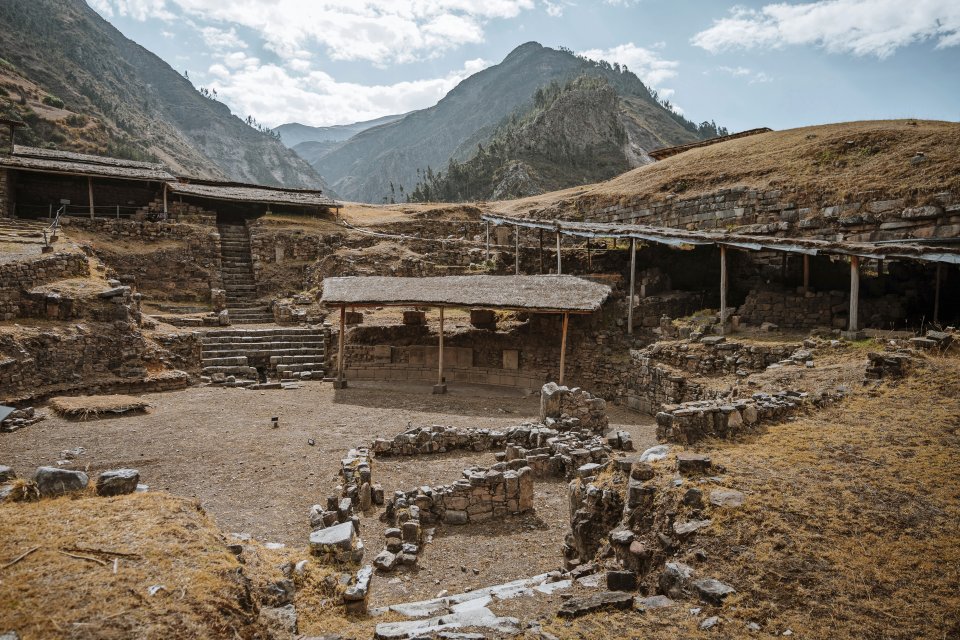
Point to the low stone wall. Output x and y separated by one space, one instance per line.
774 211
79 357
6 192
16 278
176 262
721 356
653 385
185 349
691 422
821 309
572 407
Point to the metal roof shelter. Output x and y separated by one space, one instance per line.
684 239
538 294
236 192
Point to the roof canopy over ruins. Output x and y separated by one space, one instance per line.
236 192
544 293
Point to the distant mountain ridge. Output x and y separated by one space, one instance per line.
364 166
294 133
81 85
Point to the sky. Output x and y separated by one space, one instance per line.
741 64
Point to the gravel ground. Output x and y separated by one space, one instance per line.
216 444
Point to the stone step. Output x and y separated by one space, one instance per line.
315 354
302 375
284 360
233 361
263 320
247 372
279 331
297 368
273 336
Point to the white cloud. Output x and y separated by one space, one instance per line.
378 31
553 9
275 95
222 39
753 77
859 27
646 63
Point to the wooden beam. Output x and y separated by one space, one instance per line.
806 273
936 293
440 387
516 257
723 289
90 194
563 346
541 251
164 200
854 293
559 261
488 242
633 277
341 382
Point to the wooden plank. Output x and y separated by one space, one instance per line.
559 262
164 200
343 339
854 292
806 273
633 278
563 347
723 289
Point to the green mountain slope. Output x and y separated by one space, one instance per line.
107 94
363 167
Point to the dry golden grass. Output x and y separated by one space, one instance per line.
85 407
850 528
96 560
833 162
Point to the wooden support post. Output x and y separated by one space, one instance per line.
723 289
936 293
488 242
559 261
783 268
50 213
806 273
118 212
633 277
164 200
341 382
441 386
541 251
563 347
516 244
589 256
90 194
854 292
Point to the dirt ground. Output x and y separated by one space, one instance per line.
216 445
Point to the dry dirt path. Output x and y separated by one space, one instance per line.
216 445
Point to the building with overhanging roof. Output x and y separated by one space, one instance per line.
38 183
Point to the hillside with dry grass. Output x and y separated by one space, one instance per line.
831 162
849 526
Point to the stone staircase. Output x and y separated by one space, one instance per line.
284 353
22 231
237 269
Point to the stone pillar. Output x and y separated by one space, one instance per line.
5 193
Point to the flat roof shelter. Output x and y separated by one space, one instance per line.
537 294
930 251
250 194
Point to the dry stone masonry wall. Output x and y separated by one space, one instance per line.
16 278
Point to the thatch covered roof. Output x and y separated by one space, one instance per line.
78 164
250 193
547 293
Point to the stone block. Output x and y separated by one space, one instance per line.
117 482
53 481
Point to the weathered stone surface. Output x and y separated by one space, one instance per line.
685 529
282 621
693 463
653 454
653 602
674 578
550 395
621 581
693 497
726 498
712 591
53 481
576 607
7 473
334 543
385 561
117 482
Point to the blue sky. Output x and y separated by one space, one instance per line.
743 64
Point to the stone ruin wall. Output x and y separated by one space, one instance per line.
747 210
83 357
16 278
183 269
